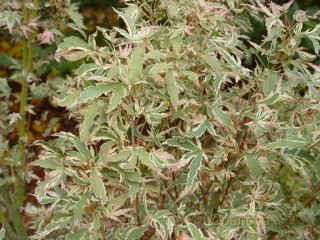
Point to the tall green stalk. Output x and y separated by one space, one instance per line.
13 205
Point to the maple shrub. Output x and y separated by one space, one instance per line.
189 126
29 31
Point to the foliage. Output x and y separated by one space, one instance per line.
32 26
185 124
191 125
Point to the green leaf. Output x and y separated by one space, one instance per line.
195 232
73 49
145 158
136 63
2 233
89 114
97 185
121 156
230 60
96 222
129 23
271 99
57 224
74 43
194 167
81 147
213 63
132 233
221 115
48 163
41 190
93 92
119 92
269 85
133 177
67 101
76 16
82 234
134 188
199 130
185 145
164 222
158 68
316 166
254 166
48 147
104 150
172 89
86 68
5 90
290 142
131 162
78 208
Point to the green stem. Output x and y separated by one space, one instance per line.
133 143
20 157
9 231
16 217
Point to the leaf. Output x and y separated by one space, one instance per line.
200 130
104 150
254 166
195 232
96 222
89 115
57 224
48 163
158 68
68 100
185 145
2 233
290 142
145 158
131 162
41 190
119 92
85 68
49 147
164 223
269 85
194 167
74 43
82 234
78 208
213 63
5 90
172 10
105 135
93 92
75 16
271 99
132 233
221 115
73 49
121 156
134 188
230 60
81 147
316 166
135 64
172 89
129 23
97 185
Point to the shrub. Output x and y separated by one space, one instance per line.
31 27
189 127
